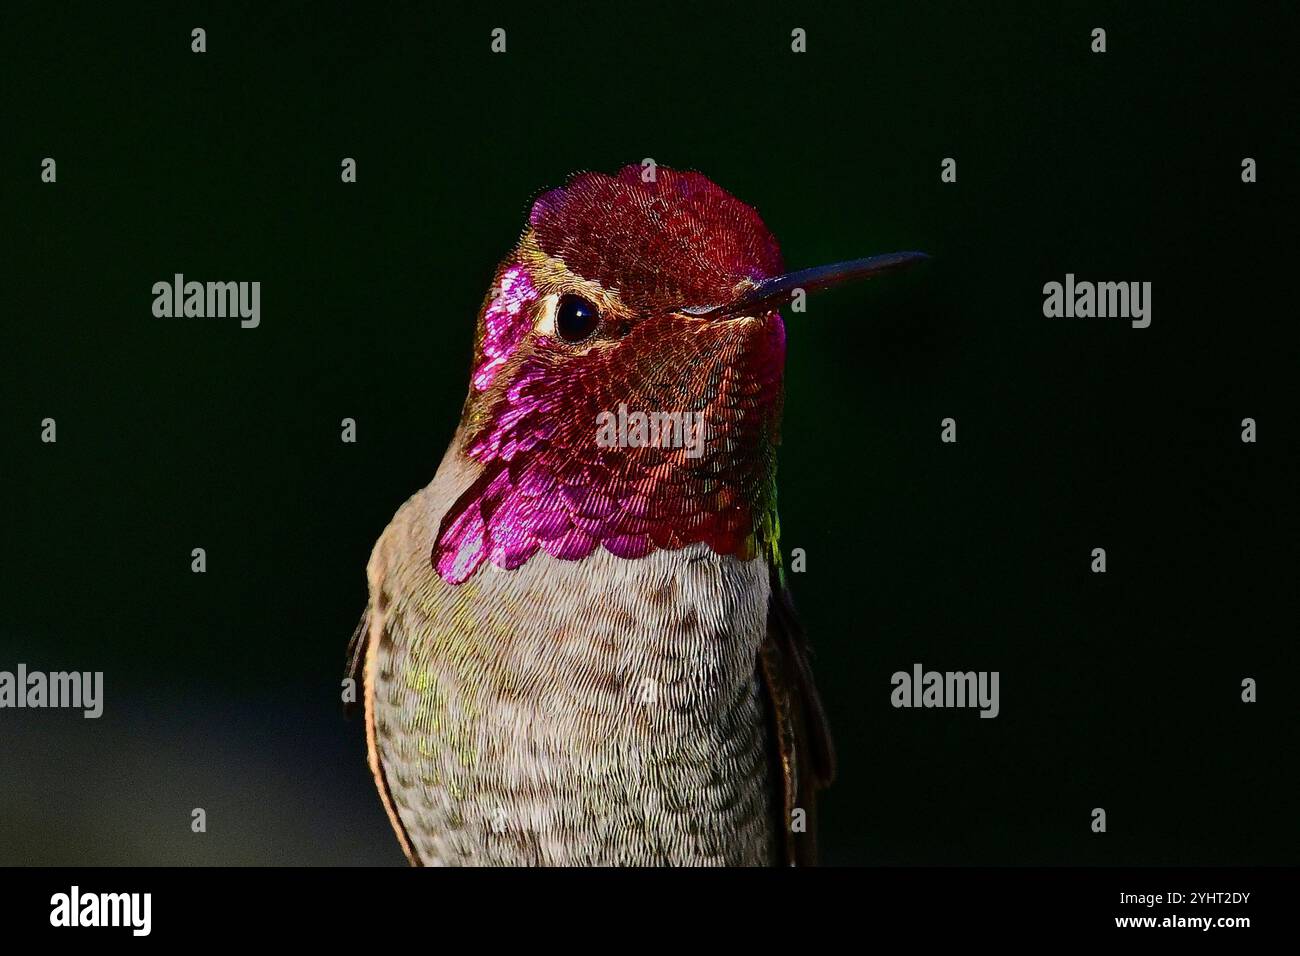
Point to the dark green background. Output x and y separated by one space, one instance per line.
1119 691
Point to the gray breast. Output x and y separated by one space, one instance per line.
603 711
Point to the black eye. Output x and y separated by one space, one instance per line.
576 318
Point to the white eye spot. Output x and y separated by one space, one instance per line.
545 324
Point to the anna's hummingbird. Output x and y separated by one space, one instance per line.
579 647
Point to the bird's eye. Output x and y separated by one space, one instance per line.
576 318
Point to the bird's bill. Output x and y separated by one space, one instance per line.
774 292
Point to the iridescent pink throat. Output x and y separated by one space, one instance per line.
547 484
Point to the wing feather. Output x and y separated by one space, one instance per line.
360 654
803 756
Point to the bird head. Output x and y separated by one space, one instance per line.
626 385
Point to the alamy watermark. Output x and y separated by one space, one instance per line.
947 689
208 300
625 429
79 690
75 908
1103 300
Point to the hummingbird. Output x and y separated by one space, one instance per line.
579 646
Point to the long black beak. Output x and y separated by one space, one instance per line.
775 292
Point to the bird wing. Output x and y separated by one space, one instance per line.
358 670
355 669
801 744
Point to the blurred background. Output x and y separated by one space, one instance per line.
1119 691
